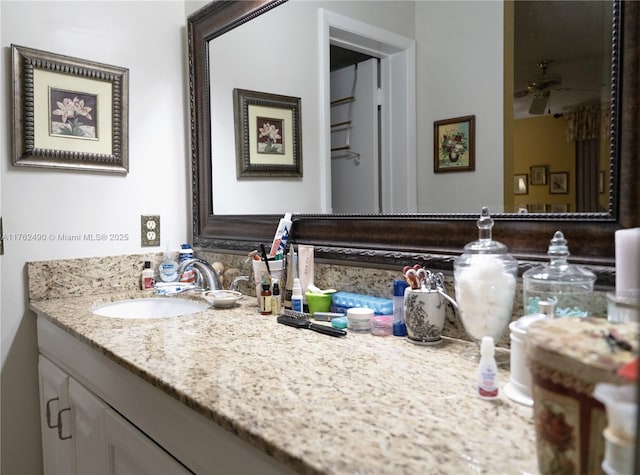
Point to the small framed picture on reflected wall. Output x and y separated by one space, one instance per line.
559 183
538 175
520 184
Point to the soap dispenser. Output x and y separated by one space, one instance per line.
168 269
568 286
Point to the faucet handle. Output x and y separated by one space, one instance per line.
235 282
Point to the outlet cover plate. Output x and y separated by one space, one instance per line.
150 230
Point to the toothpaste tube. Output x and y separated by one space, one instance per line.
282 236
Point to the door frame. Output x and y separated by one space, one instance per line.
398 123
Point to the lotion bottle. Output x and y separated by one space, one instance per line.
146 279
296 296
276 300
265 299
487 386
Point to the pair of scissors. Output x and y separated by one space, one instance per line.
415 276
436 281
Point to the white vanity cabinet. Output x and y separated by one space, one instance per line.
55 420
81 434
121 424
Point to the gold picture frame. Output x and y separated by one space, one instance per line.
268 137
538 175
68 112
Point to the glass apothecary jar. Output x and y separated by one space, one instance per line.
568 286
485 284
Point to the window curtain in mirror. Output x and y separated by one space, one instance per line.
583 123
587 168
585 127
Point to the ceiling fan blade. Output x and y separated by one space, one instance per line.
539 103
520 94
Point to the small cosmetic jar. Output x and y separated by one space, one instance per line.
318 302
339 322
359 319
382 325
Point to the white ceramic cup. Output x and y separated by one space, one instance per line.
519 386
424 315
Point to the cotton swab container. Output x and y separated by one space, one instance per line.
485 284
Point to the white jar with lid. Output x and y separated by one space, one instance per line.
568 286
359 319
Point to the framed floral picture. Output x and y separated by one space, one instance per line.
267 130
454 144
69 112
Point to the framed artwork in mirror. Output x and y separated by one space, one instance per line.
454 144
601 182
69 112
558 208
536 208
267 130
538 175
559 183
521 184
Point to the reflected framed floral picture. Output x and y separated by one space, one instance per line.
69 112
267 131
454 144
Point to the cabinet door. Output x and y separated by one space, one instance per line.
88 412
130 451
55 420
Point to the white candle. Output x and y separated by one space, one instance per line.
627 261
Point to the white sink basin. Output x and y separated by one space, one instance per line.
149 308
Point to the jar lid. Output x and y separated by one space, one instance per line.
484 244
578 349
558 268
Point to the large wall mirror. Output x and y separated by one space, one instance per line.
448 80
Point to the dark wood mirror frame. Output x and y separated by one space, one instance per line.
434 239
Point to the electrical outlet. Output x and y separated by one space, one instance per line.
150 232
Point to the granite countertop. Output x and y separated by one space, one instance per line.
360 404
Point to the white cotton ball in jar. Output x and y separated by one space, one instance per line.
485 294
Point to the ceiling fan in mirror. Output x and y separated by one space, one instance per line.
540 88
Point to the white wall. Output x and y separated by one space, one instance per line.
149 39
459 73
278 53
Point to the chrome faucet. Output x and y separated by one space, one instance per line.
204 270
236 282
